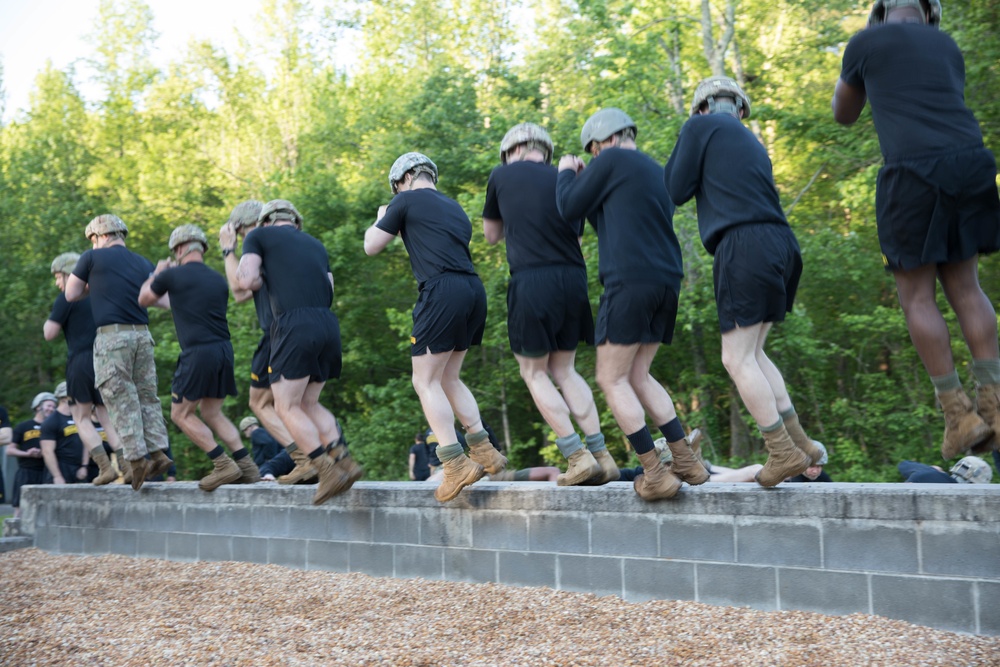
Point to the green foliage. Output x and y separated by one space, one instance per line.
282 115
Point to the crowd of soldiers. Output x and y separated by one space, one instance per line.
937 211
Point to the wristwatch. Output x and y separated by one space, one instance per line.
226 252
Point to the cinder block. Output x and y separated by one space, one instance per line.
737 585
270 521
151 544
946 604
71 540
396 526
201 519
443 527
988 597
590 574
823 592
870 546
309 523
233 520
658 580
215 547
138 516
413 561
96 541
500 530
168 517
962 549
687 537
475 566
249 549
182 547
123 542
770 542
373 559
325 555
47 538
287 552
517 568
351 525
564 532
624 535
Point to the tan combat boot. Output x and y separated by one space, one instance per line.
138 468
799 437
347 465
124 469
108 473
249 473
459 473
609 470
988 407
686 464
963 428
784 459
332 480
224 471
159 463
303 470
656 482
486 455
582 466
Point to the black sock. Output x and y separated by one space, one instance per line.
216 453
672 430
318 452
240 454
641 441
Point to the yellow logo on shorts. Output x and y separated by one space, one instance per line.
269 370
885 260
413 340
253 376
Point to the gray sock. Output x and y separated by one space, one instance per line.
449 452
595 443
773 427
569 444
987 371
949 382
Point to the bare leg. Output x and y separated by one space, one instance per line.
739 356
614 363
651 393
575 390
548 400
975 313
262 404
183 414
211 413
324 420
781 398
461 399
288 397
928 330
428 370
109 427
85 428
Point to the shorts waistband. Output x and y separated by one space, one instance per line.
114 328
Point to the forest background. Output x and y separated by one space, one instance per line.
276 118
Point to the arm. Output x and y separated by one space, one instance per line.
682 175
377 239
76 289
848 101
413 459
575 195
5 435
248 273
493 230
51 329
148 296
227 241
49 454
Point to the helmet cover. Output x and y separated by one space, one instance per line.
720 86
186 233
279 209
245 214
108 223
65 263
406 163
604 123
525 133
881 9
41 398
972 470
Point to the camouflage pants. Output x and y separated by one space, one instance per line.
125 374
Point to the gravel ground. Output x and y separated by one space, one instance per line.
114 610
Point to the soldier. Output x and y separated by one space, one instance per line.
548 309
305 338
25 445
76 322
198 296
621 192
124 368
449 316
936 200
757 262
62 448
241 221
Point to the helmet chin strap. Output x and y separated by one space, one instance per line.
726 105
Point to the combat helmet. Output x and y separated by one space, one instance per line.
603 124
533 135
108 223
279 209
245 214
60 390
412 161
185 234
881 8
65 263
247 422
823 460
41 398
720 86
971 470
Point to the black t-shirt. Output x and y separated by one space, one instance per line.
522 194
294 266
435 230
922 473
421 458
914 77
264 446
4 418
27 435
115 276
62 429
262 304
822 477
721 164
621 193
199 296
77 322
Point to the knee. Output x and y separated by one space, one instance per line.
607 380
562 374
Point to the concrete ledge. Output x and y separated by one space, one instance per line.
11 543
928 554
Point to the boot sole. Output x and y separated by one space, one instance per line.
791 471
471 478
308 477
212 486
666 495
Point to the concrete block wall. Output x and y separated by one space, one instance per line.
928 554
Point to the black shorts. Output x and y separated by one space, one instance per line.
939 210
450 314
204 371
80 378
756 269
632 313
259 377
305 342
548 309
24 477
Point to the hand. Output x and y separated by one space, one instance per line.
58 481
227 236
163 265
81 474
571 162
34 453
381 212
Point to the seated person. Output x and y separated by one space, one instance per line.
968 470
715 473
815 472
263 446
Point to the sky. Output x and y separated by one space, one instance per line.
35 31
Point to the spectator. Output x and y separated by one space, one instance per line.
968 470
419 463
262 446
25 445
815 472
62 448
